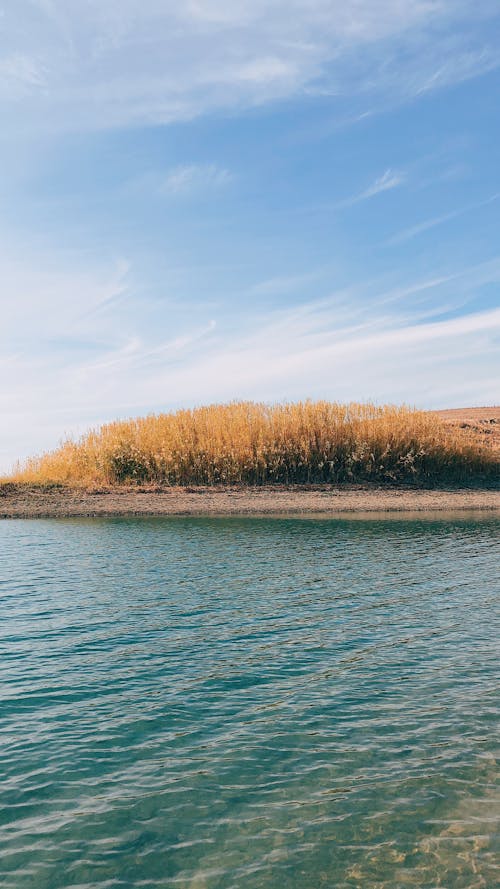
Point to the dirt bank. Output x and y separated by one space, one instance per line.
30 501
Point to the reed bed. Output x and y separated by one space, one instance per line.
246 443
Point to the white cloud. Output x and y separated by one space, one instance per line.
192 178
95 64
20 75
408 233
45 296
389 180
461 66
412 231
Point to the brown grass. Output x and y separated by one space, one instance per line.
256 444
479 425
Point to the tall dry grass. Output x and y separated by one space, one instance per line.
256 444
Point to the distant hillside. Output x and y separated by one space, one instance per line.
480 424
256 444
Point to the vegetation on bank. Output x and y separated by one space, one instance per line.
257 444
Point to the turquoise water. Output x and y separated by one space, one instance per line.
249 703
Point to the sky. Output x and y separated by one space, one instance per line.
275 200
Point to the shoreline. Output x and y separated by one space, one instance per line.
31 501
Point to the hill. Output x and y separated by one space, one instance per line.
244 443
480 424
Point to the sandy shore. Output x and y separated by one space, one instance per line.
27 501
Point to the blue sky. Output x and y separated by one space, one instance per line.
204 201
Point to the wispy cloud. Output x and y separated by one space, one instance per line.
408 233
413 230
148 62
386 182
21 75
461 65
390 179
189 179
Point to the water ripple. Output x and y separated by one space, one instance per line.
246 703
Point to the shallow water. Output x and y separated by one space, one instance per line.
249 703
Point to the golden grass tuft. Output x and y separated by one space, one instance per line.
244 443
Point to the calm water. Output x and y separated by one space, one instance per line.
249 703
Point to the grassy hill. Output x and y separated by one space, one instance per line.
245 443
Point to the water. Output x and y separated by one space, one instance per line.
249 703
